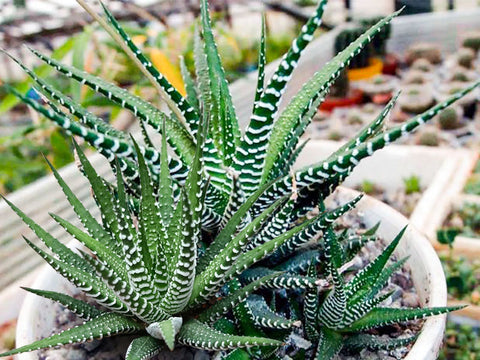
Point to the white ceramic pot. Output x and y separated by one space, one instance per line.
37 315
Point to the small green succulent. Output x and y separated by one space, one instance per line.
412 184
352 308
221 219
449 119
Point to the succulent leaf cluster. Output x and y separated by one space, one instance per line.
194 249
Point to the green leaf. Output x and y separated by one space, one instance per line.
226 234
447 236
79 307
224 122
105 254
174 99
329 344
181 282
86 280
265 317
310 306
192 95
369 130
332 310
317 84
237 354
386 316
43 70
178 136
251 257
366 276
373 288
224 305
361 341
261 64
196 334
90 223
166 330
79 51
212 279
144 348
251 153
62 154
165 190
104 325
149 215
52 243
103 198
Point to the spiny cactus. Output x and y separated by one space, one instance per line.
416 99
428 51
472 40
347 36
466 57
428 138
232 195
449 119
380 42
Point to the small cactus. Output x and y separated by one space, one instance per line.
345 37
416 99
414 77
428 51
448 119
412 184
379 44
380 84
335 135
423 65
461 74
465 57
428 138
340 86
472 40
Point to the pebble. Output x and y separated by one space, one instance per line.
410 300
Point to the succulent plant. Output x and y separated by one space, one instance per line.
428 138
416 98
449 119
422 65
380 42
341 86
353 307
412 184
379 84
466 57
208 215
428 51
461 74
472 40
345 37
414 77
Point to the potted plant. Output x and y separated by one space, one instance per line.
176 257
364 65
421 50
342 95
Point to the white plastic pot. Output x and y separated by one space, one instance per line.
37 315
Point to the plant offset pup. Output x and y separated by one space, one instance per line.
207 216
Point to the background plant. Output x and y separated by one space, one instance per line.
21 154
